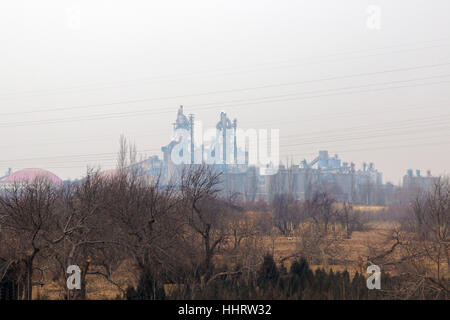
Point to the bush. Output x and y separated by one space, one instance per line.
147 289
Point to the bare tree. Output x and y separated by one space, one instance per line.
321 209
349 219
284 213
431 226
83 228
127 155
419 250
28 211
204 211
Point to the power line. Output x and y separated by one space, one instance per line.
189 75
383 148
231 90
153 133
258 101
72 158
339 151
412 123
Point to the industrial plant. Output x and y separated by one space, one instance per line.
325 173
346 181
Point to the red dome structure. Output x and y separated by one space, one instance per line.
109 173
31 174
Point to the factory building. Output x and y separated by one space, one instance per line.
224 158
327 174
323 173
418 182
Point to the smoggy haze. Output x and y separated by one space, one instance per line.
74 75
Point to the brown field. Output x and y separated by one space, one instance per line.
355 250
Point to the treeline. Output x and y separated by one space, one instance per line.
129 221
271 282
184 240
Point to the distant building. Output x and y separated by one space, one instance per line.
28 175
328 174
418 182
200 154
324 173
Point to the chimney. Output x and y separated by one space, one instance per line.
235 141
191 121
223 119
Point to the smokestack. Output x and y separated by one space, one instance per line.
235 141
223 119
191 121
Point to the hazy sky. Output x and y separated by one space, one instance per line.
74 75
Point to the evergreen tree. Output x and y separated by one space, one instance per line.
301 270
147 289
268 273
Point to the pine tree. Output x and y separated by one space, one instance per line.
147 289
268 273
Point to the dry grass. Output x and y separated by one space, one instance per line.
370 208
354 250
